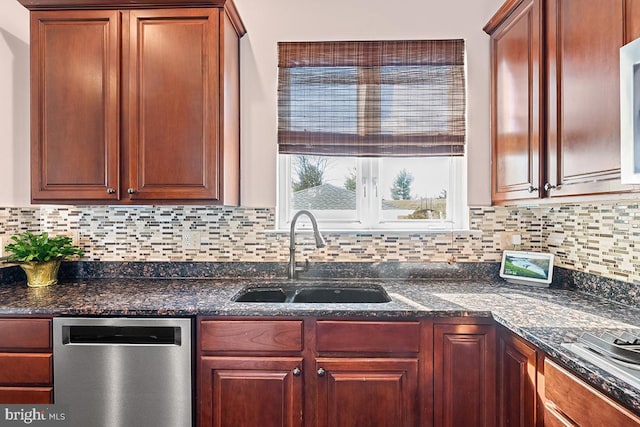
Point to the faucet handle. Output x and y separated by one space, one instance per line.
303 268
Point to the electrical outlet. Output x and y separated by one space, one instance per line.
191 240
4 240
75 237
509 240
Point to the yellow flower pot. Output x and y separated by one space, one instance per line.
41 274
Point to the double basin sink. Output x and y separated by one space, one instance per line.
314 293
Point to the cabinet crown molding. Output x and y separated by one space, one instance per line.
119 4
228 5
503 13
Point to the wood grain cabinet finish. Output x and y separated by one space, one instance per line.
517 382
569 401
251 335
135 105
26 361
555 103
517 110
320 373
75 83
366 392
250 372
583 128
359 377
251 391
464 372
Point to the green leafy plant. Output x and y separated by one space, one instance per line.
29 247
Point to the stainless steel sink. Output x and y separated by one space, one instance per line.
314 294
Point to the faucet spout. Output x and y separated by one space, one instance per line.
320 242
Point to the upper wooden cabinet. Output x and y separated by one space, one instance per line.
134 105
555 96
516 109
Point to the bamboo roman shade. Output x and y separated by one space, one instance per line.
372 98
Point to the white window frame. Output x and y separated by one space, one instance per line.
368 206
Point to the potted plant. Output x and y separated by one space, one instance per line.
40 256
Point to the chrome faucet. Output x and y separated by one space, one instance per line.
320 243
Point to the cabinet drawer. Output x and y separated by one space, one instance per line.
22 395
25 334
25 368
375 337
251 335
580 402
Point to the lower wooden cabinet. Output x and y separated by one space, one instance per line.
26 395
26 361
251 391
464 372
517 382
309 372
569 402
366 392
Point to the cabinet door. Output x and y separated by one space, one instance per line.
250 392
173 113
517 373
464 375
75 65
366 392
632 20
516 106
583 42
569 400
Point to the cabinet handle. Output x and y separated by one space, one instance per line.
531 188
296 372
548 186
131 191
321 372
111 191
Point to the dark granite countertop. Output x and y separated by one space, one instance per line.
545 317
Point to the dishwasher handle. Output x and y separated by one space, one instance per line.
121 335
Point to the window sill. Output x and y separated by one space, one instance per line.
457 232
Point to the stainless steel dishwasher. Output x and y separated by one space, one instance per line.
121 372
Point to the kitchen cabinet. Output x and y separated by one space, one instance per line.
569 402
366 374
134 105
250 373
583 117
26 361
555 97
251 391
517 108
464 372
517 381
307 372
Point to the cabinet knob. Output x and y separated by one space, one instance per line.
297 372
321 372
131 191
111 191
531 188
548 186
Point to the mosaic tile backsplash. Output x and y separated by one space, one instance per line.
601 239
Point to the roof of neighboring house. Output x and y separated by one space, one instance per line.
328 196
325 196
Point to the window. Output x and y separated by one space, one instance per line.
371 134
